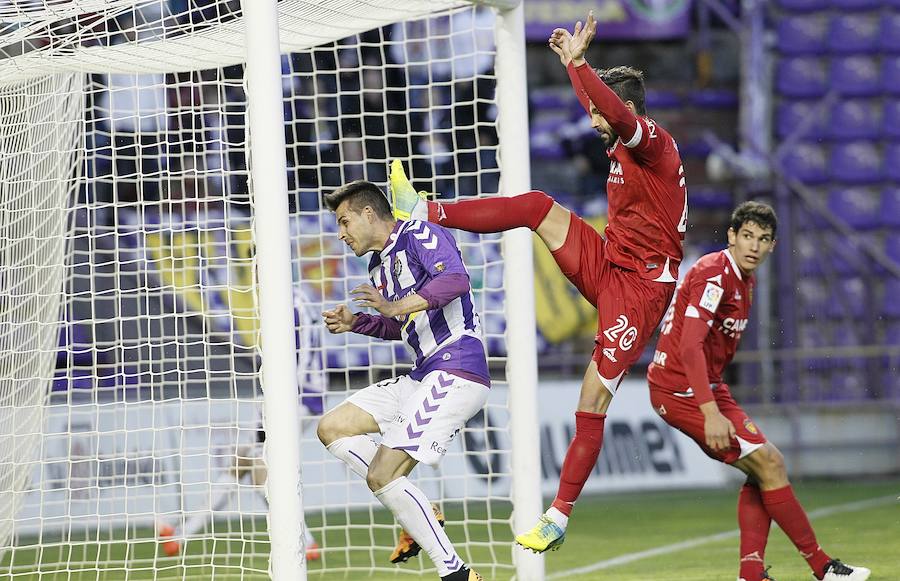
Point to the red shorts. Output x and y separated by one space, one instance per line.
680 411
629 308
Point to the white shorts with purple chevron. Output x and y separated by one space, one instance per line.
422 417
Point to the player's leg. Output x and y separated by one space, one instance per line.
534 210
680 411
767 466
433 414
345 429
593 401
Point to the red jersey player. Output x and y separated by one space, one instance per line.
699 337
629 275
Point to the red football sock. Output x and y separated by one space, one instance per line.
785 509
494 214
754 522
580 459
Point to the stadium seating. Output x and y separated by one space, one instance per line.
860 207
855 76
807 162
792 116
802 35
854 33
890 207
855 119
889 35
802 77
859 162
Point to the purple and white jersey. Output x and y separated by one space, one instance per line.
447 338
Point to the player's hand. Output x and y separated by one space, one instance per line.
339 319
718 430
561 44
365 295
582 37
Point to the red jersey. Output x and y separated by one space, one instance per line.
715 291
646 186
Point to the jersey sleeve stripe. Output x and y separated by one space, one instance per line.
636 138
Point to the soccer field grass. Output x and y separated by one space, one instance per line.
610 537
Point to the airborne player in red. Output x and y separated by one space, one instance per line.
699 337
629 275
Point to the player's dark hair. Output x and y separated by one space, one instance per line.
763 215
361 194
627 83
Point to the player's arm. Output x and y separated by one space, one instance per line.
636 132
702 304
342 320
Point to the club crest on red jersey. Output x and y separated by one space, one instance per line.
750 426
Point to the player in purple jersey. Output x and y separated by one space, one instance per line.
420 288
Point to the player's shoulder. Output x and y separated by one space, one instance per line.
713 267
426 234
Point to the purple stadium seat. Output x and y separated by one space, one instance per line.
656 99
802 35
859 162
890 306
848 298
544 99
856 76
710 198
892 247
891 118
803 5
802 77
813 297
854 5
892 161
892 334
890 207
889 40
859 207
856 119
714 99
849 381
846 259
806 162
854 33
808 255
890 74
791 115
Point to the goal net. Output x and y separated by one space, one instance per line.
130 385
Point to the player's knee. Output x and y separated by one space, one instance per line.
539 205
376 478
770 466
328 429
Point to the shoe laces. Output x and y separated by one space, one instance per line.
835 566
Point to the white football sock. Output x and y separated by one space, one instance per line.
413 511
356 451
558 517
218 498
308 536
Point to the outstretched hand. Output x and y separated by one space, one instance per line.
339 319
571 47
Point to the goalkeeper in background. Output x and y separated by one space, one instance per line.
421 291
248 458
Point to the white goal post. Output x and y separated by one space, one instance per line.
156 227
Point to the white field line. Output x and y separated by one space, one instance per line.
700 541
